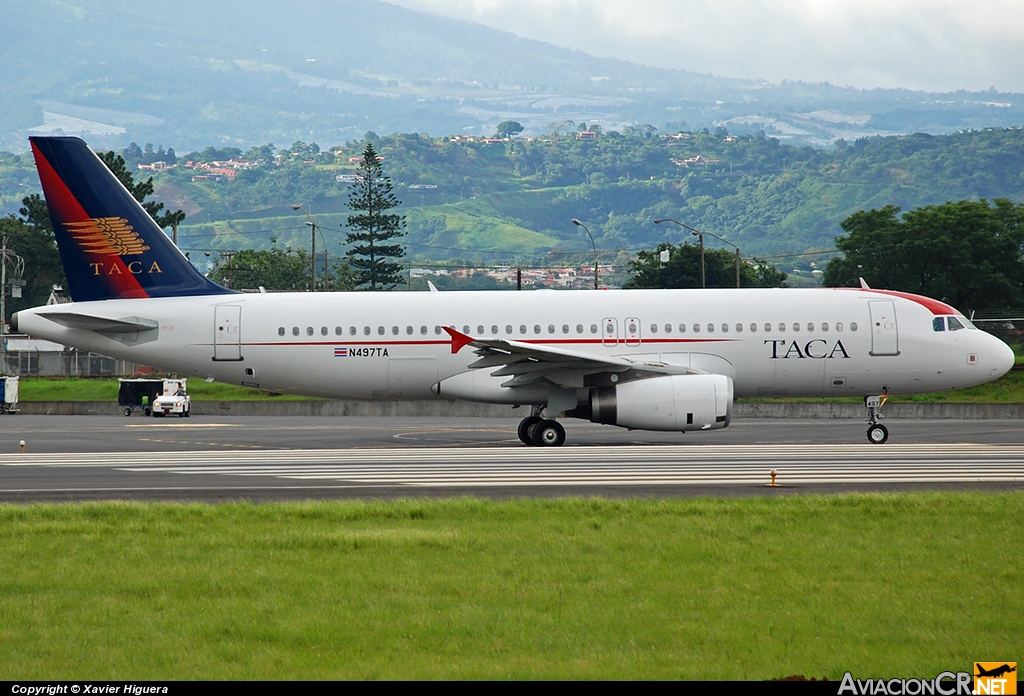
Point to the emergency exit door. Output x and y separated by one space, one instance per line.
227 334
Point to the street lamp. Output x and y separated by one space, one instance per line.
313 230
700 234
703 277
580 224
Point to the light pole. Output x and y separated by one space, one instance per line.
737 254
313 229
580 224
700 235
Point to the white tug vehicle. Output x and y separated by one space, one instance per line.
174 400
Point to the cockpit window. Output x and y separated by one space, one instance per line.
938 324
954 324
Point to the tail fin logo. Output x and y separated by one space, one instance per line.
109 236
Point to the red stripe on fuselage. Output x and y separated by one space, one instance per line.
122 285
934 306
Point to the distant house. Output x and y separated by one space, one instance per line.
698 161
586 135
493 141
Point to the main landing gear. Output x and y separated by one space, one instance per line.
877 433
537 431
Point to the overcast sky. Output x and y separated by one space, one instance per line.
937 45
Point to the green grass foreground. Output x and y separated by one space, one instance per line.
84 389
881 585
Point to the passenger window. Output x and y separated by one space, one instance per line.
551 328
408 331
853 326
337 330
593 328
565 328
295 331
280 331
711 328
494 329
938 324
380 330
824 326
465 328
351 331
579 328
366 330
810 326
609 329
668 328
696 328
682 328
632 328
522 328
654 328
536 328
323 330
437 330
796 326
309 330
753 327
782 327
725 328
508 328
767 327
479 329
394 330
739 328
839 326
423 330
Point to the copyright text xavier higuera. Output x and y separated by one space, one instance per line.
67 688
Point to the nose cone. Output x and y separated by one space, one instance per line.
1002 358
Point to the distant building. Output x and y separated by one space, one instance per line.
586 135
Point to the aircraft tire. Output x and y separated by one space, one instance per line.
548 433
878 434
525 426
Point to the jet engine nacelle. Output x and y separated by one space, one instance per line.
673 402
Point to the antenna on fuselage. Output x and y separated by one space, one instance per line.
864 285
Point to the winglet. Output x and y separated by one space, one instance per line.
864 285
459 339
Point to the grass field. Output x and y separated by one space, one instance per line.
1009 389
881 585
77 389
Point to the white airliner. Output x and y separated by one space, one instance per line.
646 359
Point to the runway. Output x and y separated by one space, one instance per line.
623 471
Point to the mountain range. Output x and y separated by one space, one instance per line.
195 73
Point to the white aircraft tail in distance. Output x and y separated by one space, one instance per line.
671 360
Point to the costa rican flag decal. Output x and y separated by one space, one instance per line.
341 352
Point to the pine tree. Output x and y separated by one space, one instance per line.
372 226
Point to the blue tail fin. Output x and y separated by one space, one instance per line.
110 247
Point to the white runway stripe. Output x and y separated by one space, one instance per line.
576 466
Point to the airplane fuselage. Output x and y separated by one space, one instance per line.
777 342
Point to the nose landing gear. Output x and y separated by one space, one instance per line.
877 433
539 432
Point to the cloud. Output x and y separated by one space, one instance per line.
938 45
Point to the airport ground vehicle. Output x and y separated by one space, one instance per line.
173 401
641 359
8 394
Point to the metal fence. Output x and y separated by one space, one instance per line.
68 363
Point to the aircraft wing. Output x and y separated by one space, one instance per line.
528 363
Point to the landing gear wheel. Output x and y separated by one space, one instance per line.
525 426
127 412
878 434
147 411
548 433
